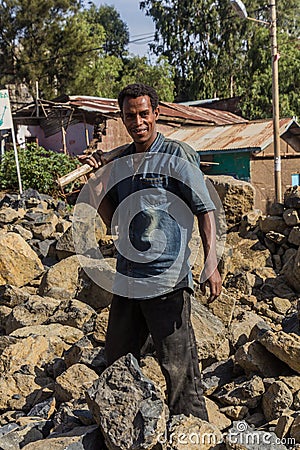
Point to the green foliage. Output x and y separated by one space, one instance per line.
27 32
39 169
71 50
216 54
160 76
116 31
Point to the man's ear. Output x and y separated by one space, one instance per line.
156 112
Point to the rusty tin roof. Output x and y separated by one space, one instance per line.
253 136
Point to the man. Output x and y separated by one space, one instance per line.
162 181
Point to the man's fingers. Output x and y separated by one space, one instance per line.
93 160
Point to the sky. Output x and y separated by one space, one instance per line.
138 23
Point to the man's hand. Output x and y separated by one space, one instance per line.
214 282
211 275
94 159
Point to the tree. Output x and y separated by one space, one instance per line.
71 50
214 53
160 76
116 31
26 26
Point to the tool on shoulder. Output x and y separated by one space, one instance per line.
105 158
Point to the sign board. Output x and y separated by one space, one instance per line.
6 122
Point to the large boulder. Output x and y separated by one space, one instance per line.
276 399
82 278
236 196
210 334
19 264
254 357
10 215
43 310
74 382
127 406
285 346
245 254
80 230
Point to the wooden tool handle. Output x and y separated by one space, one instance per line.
106 157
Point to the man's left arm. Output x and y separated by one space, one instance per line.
210 275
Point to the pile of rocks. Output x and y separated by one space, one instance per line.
55 391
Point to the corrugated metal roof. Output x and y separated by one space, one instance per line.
68 110
255 135
203 115
94 104
168 111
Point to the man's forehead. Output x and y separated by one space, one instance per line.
143 101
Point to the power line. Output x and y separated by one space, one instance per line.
141 39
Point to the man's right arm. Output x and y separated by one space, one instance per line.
106 211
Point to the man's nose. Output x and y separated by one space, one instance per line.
139 119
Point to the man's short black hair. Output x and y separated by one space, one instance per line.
138 90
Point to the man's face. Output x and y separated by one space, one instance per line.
140 120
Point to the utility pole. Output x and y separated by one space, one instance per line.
241 11
275 102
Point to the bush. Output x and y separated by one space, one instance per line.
39 169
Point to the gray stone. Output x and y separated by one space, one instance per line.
291 217
295 429
276 209
294 236
94 358
128 408
284 424
216 375
272 223
292 197
44 409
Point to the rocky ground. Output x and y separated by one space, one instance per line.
55 391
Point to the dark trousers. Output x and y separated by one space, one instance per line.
168 320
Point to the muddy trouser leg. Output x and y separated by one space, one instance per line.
169 321
127 330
